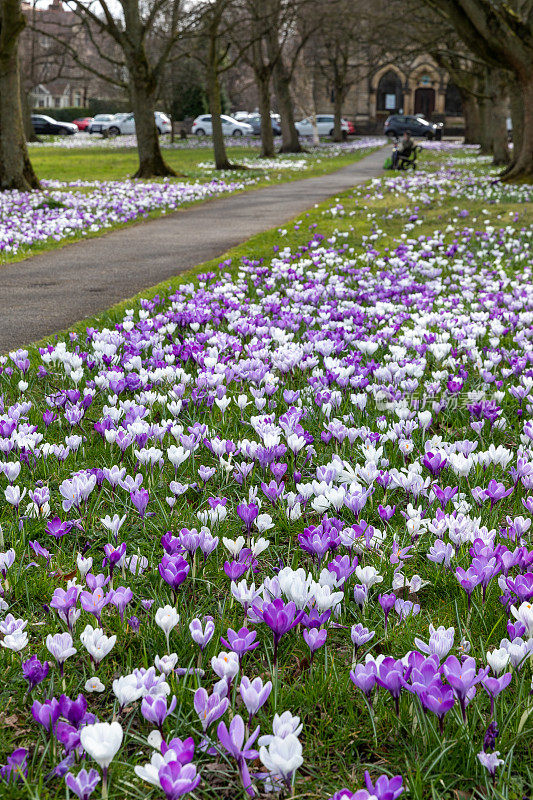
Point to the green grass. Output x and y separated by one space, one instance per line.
340 738
100 164
110 164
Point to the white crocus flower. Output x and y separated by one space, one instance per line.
102 742
97 643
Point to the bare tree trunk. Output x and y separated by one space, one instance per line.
485 133
337 113
522 168
16 171
290 140
267 137
498 119
143 92
281 79
471 116
215 108
517 118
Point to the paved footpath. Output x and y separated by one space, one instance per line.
49 292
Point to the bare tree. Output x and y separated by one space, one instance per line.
290 24
16 171
343 32
132 64
500 33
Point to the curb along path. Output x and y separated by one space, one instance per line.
49 292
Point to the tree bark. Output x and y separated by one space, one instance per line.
262 79
497 118
517 117
501 35
522 169
16 171
338 101
281 80
485 136
471 116
143 91
289 134
215 106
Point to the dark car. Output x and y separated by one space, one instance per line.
43 124
255 121
398 124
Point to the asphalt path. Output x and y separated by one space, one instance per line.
51 291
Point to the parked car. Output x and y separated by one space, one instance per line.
98 122
43 124
83 123
122 124
241 116
325 124
398 124
255 121
230 127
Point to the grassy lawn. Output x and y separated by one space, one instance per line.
109 165
333 338
106 164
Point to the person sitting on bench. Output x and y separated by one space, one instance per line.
403 150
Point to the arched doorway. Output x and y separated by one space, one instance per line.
389 94
425 102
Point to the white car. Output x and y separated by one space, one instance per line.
325 124
202 126
99 122
122 124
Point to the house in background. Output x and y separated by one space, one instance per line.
57 94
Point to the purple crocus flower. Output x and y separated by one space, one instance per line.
364 676
493 686
209 707
154 709
56 528
15 766
174 570
254 694
241 641
439 699
387 602
360 636
444 495
248 512
435 463
178 779
122 595
385 788
34 672
314 619
83 784
232 740
392 676
314 639
140 498
496 491
95 602
46 713
73 710
462 677
182 749
279 617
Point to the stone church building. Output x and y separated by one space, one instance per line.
415 87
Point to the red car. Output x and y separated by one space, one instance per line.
351 126
83 123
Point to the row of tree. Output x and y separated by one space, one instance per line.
485 45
